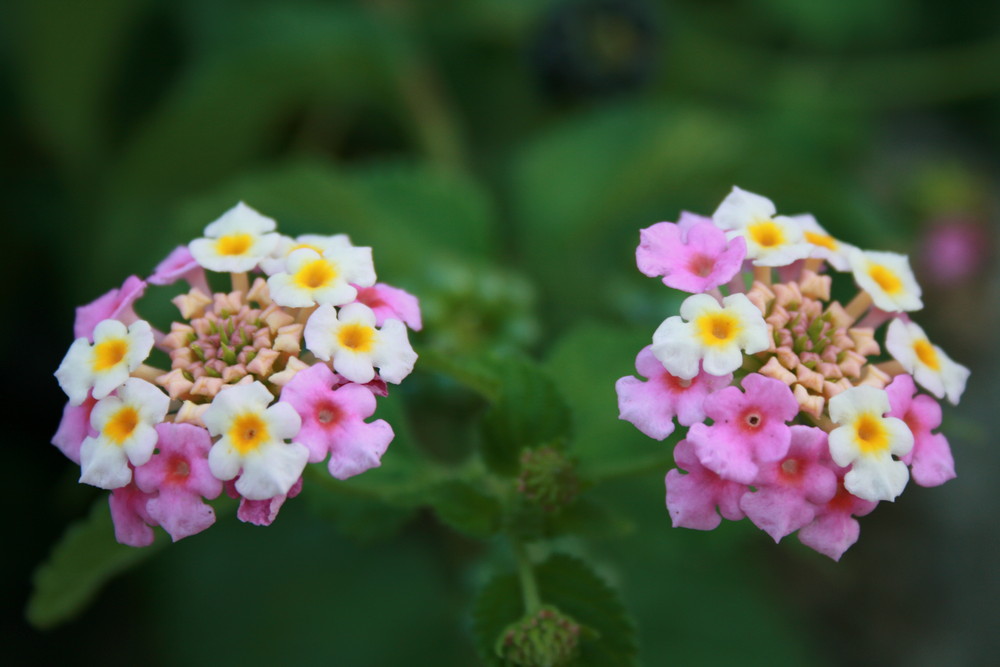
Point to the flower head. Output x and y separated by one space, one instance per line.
352 342
713 334
931 367
236 242
105 365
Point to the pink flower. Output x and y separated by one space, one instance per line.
391 303
835 529
692 498
179 471
790 491
333 422
930 459
696 259
180 265
652 405
115 305
74 428
133 524
261 512
750 428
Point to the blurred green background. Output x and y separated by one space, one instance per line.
500 156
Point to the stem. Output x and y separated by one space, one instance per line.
892 368
241 283
858 305
526 573
762 274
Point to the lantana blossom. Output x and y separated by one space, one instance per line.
104 365
713 334
793 416
125 433
166 441
252 443
236 242
350 340
930 366
695 259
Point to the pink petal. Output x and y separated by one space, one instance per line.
116 304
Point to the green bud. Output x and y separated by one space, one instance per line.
198 352
548 478
547 638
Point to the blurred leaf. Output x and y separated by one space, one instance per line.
604 444
83 561
68 53
583 190
570 585
529 411
229 107
588 518
466 508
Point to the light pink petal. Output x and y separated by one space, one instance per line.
180 512
114 305
692 498
777 511
180 265
180 463
932 461
74 428
262 512
131 519
831 534
390 302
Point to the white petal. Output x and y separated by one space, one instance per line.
740 207
103 465
272 470
393 354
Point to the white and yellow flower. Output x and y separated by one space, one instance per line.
276 261
926 362
236 242
887 278
312 277
356 347
252 443
713 334
825 247
867 441
772 240
125 434
104 365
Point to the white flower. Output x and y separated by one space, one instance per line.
887 278
835 252
253 441
349 339
772 240
928 363
312 278
236 242
125 434
276 261
866 441
712 334
105 365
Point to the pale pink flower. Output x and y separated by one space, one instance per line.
789 491
692 498
333 421
261 512
651 405
74 428
180 264
750 428
390 302
930 460
133 524
696 259
118 304
835 529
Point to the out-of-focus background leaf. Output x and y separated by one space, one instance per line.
500 156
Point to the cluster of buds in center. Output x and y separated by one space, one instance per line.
794 419
265 377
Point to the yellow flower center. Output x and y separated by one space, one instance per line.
356 337
248 432
109 353
927 354
717 328
886 279
821 240
233 244
872 436
122 423
766 234
315 274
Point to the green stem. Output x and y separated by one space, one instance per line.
526 573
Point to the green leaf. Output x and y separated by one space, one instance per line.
570 585
85 559
529 411
466 507
604 444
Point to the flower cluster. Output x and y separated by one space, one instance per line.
277 372
797 418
